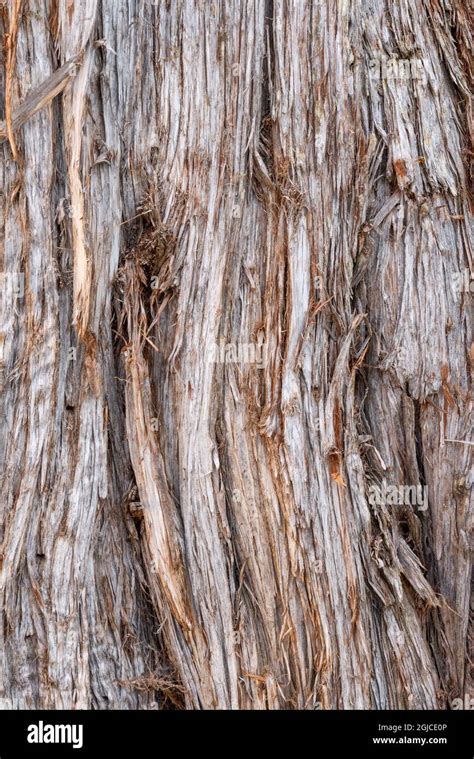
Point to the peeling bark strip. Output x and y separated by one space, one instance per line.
290 176
40 97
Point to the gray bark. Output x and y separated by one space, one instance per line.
175 529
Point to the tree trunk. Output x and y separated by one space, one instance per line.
236 313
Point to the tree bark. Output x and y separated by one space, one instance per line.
236 303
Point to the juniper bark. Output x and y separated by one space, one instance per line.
239 172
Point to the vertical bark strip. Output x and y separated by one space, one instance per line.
244 233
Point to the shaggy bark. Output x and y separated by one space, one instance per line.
181 174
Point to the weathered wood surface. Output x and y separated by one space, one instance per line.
179 174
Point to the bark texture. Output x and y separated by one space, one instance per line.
180 174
